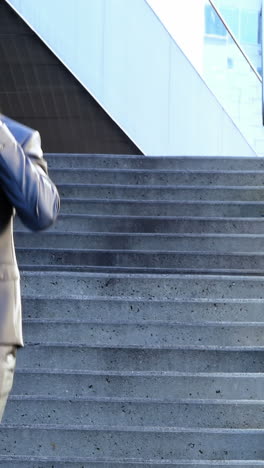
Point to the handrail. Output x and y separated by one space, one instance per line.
235 40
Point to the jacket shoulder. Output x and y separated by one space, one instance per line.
21 132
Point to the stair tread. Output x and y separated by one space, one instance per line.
142 252
155 171
146 323
119 428
143 234
148 347
144 402
128 201
145 373
153 157
206 218
163 187
70 268
118 299
124 462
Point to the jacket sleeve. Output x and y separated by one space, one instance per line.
24 179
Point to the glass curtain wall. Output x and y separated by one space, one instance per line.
222 38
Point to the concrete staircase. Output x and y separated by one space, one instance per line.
143 318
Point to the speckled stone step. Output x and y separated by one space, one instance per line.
116 309
157 177
162 242
200 335
88 462
147 261
64 356
148 286
162 192
158 224
158 208
140 385
155 413
139 443
217 163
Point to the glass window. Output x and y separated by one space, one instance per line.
213 25
231 16
260 27
249 27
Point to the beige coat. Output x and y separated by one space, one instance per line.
27 190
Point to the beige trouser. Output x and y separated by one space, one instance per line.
7 367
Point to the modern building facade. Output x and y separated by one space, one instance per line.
144 78
223 40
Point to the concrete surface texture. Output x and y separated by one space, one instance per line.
143 318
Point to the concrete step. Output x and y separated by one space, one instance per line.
162 192
83 161
111 411
157 177
149 386
63 356
162 208
202 336
148 287
52 462
141 270
139 443
152 225
162 242
149 261
106 309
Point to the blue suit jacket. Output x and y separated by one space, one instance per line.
26 189
23 175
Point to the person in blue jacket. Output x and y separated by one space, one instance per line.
25 190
